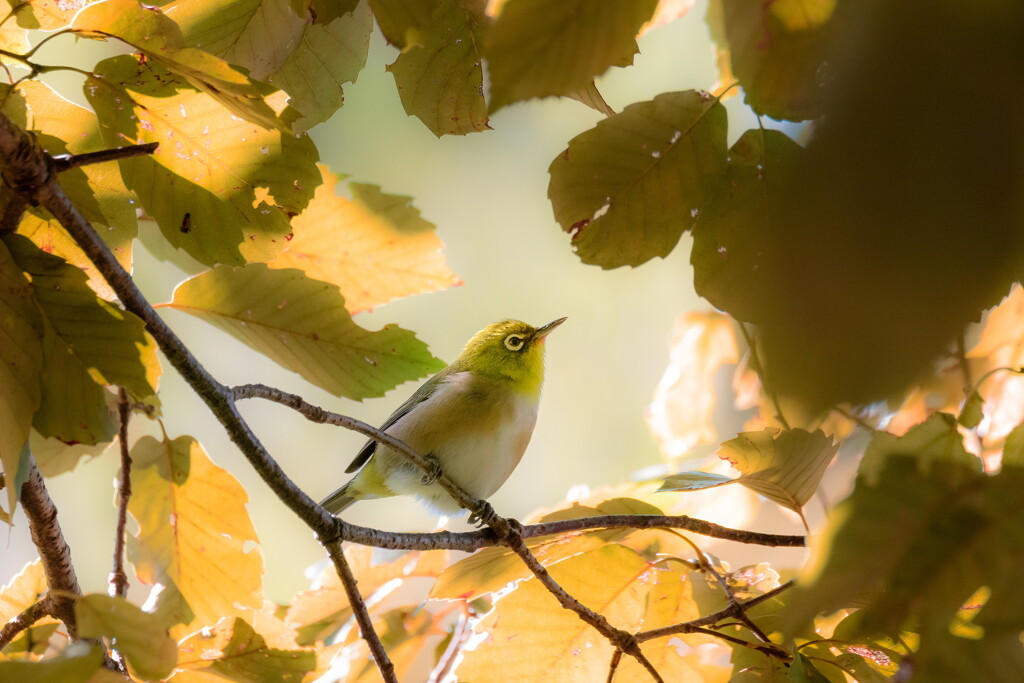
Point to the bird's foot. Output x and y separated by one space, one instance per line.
482 517
435 470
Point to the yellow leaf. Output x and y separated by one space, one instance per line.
375 247
532 638
194 530
680 416
141 637
236 652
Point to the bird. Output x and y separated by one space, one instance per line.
473 420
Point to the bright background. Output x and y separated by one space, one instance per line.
487 193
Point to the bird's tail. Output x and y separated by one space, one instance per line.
339 500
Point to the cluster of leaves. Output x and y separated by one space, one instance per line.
848 254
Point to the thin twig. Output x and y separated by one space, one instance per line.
118 577
355 600
63 162
965 368
53 549
29 615
616 658
461 632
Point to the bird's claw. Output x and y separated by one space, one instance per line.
435 470
482 517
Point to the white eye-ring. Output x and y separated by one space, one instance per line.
514 342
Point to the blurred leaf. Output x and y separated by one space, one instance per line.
610 580
375 247
47 15
681 415
404 23
937 534
732 232
54 457
194 530
21 592
802 670
540 49
21 361
937 439
325 608
628 188
1013 449
302 324
872 273
407 634
76 664
667 12
778 54
233 650
785 466
160 38
439 76
219 187
141 637
971 413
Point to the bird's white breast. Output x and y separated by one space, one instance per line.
478 455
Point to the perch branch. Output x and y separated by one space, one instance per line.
63 162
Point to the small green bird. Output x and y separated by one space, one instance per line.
475 418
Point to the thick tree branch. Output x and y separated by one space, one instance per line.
53 550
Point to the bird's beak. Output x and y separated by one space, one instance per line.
547 329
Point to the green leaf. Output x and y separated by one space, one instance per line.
195 536
801 670
21 361
233 650
219 187
628 188
733 232
1013 447
937 439
404 23
440 77
160 39
88 343
76 664
141 637
785 466
538 49
777 58
936 536
302 324
971 413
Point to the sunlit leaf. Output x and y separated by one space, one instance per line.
302 324
77 664
160 39
233 650
440 75
777 53
681 416
539 49
731 233
407 634
325 608
219 187
1001 344
47 15
54 456
13 38
141 637
532 638
628 188
21 361
785 466
20 593
667 12
194 530
375 247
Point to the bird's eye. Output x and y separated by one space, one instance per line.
513 342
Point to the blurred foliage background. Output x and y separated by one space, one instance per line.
487 194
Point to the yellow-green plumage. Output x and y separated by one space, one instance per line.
475 417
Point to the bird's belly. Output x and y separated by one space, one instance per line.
478 460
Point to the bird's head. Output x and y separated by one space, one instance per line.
509 349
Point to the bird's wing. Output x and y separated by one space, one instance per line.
421 395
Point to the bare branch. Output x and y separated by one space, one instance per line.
12 208
64 162
53 549
355 600
118 577
28 616
616 658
